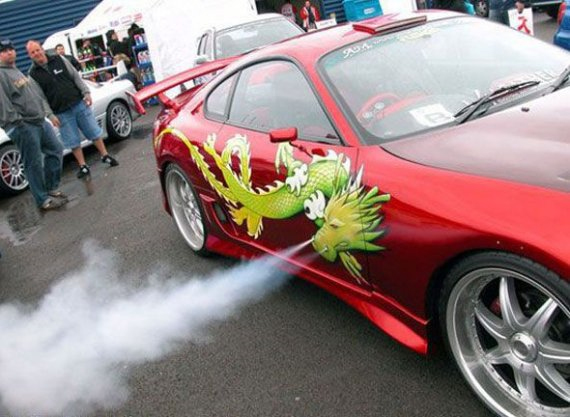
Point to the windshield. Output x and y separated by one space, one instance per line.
240 39
415 80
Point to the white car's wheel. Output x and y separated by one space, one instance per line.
185 208
119 121
12 177
506 321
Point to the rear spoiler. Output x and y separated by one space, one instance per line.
159 88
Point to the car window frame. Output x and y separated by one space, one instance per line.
339 141
202 44
209 115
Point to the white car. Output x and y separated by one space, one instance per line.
238 38
113 110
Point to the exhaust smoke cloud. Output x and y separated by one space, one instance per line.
68 354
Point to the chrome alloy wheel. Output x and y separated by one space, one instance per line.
12 170
121 121
185 208
511 339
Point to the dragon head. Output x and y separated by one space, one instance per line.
350 219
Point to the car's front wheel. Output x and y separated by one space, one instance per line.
119 121
506 321
185 208
12 177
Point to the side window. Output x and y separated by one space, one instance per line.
275 95
218 99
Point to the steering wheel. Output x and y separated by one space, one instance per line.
376 107
381 105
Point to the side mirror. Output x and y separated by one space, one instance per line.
201 59
288 134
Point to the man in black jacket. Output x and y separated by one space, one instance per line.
70 100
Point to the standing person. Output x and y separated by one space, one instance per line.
309 15
22 116
499 10
60 50
519 19
114 45
289 11
70 100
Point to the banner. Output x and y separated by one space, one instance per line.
522 21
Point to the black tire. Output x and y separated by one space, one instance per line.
502 318
186 209
12 176
119 121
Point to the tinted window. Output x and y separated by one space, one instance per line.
240 39
394 85
218 99
276 95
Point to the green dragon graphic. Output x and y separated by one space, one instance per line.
345 214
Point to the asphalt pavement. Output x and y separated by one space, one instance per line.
297 351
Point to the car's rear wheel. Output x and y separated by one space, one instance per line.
119 121
506 321
12 176
186 208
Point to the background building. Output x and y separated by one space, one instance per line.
37 19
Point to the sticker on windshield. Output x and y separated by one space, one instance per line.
432 115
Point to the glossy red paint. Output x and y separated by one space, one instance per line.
448 198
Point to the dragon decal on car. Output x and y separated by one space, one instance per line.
345 214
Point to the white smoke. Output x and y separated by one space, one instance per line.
67 355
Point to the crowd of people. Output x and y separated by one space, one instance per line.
53 90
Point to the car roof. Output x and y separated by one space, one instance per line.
309 47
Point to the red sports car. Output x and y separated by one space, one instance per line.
420 165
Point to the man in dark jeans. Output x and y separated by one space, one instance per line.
22 116
70 100
498 10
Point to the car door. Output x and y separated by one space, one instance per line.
281 189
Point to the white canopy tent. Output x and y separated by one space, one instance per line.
171 26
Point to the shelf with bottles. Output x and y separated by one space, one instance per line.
145 65
147 76
140 47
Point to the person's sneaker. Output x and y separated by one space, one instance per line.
52 204
108 159
83 171
57 194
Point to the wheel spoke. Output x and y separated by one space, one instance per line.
539 323
490 322
498 356
552 379
510 307
555 353
526 384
